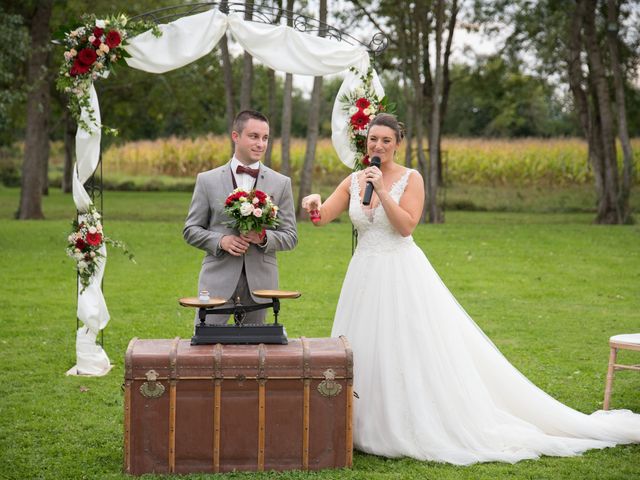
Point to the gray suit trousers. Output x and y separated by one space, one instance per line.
242 291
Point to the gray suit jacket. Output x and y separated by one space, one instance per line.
204 228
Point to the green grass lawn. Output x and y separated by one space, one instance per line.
549 289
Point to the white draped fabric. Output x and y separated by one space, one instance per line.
182 42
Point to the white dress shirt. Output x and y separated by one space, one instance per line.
243 180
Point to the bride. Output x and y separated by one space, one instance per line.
431 385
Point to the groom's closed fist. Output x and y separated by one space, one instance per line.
253 237
234 245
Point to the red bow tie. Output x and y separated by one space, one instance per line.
249 171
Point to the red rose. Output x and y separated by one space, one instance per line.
87 56
360 120
80 244
78 68
113 39
261 196
365 160
362 103
96 43
97 32
94 239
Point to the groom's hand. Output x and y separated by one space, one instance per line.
253 237
234 245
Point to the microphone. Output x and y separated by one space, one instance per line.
368 191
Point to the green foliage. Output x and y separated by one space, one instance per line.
13 51
495 98
547 289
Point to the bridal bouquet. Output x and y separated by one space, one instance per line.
91 49
362 105
250 211
84 244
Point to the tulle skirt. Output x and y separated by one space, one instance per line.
432 386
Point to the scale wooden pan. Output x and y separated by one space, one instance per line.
196 302
275 294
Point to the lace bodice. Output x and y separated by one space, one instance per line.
375 232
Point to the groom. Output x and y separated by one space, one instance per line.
235 264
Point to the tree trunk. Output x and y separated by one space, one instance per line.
406 90
446 82
69 150
312 128
621 110
435 212
271 78
228 87
228 80
610 212
36 149
415 48
285 167
247 67
285 126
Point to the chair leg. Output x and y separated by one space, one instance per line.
610 372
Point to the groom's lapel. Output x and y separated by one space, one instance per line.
263 178
227 181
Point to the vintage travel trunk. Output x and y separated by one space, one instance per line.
220 408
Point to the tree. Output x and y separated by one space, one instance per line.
285 167
36 149
246 86
228 80
13 49
582 39
313 125
271 110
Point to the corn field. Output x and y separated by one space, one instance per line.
544 162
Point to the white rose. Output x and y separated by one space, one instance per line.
100 53
353 110
113 58
359 91
101 23
257 212
367 111
92 229
104 47
246 209
93 254
82 265
242 199
99 228
73 52
68 56
255 200
91 39
72 238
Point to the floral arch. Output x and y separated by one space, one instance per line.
170 46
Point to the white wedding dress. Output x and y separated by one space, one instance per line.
430 384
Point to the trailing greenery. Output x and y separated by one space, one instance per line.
548 289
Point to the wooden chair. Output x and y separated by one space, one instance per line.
630 341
